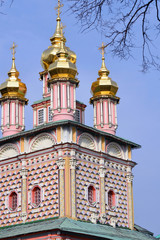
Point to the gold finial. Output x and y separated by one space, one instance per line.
103 49
13 53
58 8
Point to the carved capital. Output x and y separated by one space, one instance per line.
23 216
73 163
61 163
24 173
129 178
102 171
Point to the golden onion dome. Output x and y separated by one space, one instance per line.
50 54
104 86
13 87
63 66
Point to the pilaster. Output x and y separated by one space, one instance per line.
61 165
73 164
102 172
24 174
130 200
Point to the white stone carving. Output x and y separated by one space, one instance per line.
113 221
129 178
115 150
87 141
73 163
43 140
94 218
8 150
103 218
60 163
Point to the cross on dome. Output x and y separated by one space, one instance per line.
58 8
103 49
13 50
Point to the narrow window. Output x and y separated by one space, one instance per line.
77 117
13 201
91 195
40 116
111 199
49 114
36 196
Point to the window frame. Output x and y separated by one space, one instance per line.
111 199
34 203
94 200
39 122
12 201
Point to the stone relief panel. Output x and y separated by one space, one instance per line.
8 150
86 140
114 150
42 141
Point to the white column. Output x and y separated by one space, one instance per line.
2 122
115 105
17 114
52 97
44 78
68 95
101 107
23 115
58 92
109 112
63 94
95 113
74 95
8 112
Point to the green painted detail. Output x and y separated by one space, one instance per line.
77 227
41 100
158 236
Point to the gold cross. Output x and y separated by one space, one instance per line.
13 48
62 27
58 8
103 49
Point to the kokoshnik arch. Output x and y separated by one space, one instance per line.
63 179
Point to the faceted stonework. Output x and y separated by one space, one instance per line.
43 172
10 180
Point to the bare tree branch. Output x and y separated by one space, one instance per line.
119 20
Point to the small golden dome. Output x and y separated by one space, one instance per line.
104 84
50 54
63 66
13 87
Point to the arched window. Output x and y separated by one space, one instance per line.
91 194
36 196
13 201
111 199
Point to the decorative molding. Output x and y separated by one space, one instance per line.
103 218
24 173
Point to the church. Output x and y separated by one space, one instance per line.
63 179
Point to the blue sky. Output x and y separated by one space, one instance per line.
30 24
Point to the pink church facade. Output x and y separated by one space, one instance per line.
63 179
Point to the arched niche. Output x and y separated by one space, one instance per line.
115 150
87 141
8 151
42 141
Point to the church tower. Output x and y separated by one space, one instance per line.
104 100
12 101
59 63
